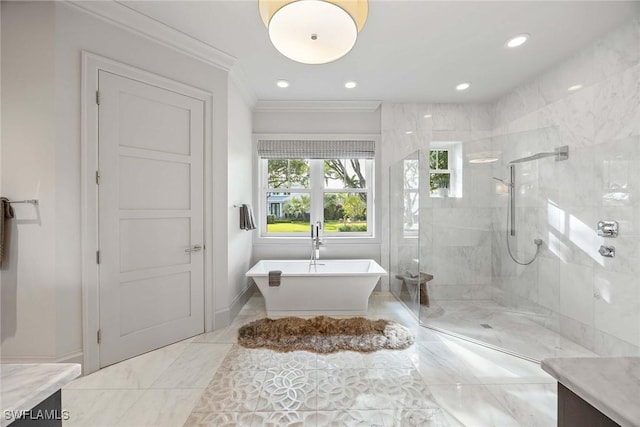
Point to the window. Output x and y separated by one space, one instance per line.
411 193
445 169
344 198
439 172
297 192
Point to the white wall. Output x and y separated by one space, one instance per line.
356 123
41 158
28 171
240 189
317 122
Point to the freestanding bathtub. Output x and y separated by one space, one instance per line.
332 287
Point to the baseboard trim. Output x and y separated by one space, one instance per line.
73 357
221 319
240 301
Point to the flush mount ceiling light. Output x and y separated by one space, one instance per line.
463 86
350 85
518 40
484 157
574 87
426 116
282 83
313 31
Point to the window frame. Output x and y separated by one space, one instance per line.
316 192
437 170
372 236
455 165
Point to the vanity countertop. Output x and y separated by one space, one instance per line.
23 386
609 384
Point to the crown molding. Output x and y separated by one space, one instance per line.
238 79
316 106
138 23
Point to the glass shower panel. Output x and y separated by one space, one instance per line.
486 283
404 232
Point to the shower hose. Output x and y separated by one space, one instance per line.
538 242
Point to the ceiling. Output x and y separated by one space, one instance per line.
408 51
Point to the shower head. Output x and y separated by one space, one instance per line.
560 153
508 184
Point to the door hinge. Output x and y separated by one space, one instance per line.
97 177
98 97
99 336
97 257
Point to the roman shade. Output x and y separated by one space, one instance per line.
316 149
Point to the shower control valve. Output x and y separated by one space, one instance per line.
607 228
607 251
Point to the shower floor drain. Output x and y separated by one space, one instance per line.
486 325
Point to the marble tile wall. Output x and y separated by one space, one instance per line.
454 240
593 300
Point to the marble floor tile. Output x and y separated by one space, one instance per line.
232 391
414 417
219 419
161 408
349 418
492 367
194 368
533 405
288 390
211 381
345 389
136 373
97 408
472 405
341 360
438 364
382 359
513 330
284 419
400 388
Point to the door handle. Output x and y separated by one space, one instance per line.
196 248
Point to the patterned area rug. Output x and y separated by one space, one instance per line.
325 334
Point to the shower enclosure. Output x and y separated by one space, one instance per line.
484 244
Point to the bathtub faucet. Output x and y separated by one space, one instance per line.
316 242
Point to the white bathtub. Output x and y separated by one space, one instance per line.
334 287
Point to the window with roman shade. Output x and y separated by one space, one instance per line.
309 181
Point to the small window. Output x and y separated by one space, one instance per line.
445 169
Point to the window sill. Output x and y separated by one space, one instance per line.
306 240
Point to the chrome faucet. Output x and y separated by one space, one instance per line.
316 242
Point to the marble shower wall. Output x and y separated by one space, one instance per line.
455 233
592 300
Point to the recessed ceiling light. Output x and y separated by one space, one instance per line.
350 84
282 83
463 86
426 116
409 132
574 87
518 40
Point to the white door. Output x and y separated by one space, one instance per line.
150 144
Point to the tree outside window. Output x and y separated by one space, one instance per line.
339 200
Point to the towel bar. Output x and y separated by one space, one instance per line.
30 201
